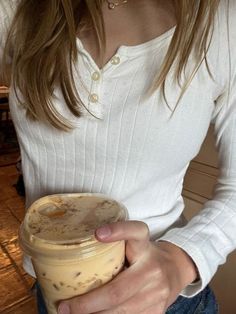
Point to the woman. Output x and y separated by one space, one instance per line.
116 97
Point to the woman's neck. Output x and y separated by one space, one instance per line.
133 23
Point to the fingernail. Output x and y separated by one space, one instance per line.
64 308
103 232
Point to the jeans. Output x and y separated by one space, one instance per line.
202 303
40 301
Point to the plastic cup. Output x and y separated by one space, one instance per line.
58 234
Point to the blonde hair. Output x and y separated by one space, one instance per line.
42 31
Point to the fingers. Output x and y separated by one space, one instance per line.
108 296
155 309
135 289
143 302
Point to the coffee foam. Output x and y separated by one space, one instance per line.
62 219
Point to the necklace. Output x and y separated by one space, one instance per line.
113 4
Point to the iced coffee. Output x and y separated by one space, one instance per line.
58 234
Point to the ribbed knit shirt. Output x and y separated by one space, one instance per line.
128 145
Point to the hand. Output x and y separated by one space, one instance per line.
156 275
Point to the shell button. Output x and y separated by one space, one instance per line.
115 60
93 98
95 76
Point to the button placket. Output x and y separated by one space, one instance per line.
94 95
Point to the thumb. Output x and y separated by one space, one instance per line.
135 233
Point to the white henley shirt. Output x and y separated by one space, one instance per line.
130 148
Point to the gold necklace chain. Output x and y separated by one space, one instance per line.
113 4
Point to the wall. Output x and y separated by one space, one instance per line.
198 187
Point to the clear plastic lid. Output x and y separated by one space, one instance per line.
65 223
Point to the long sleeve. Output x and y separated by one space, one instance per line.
211 235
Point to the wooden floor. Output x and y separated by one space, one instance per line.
16 296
